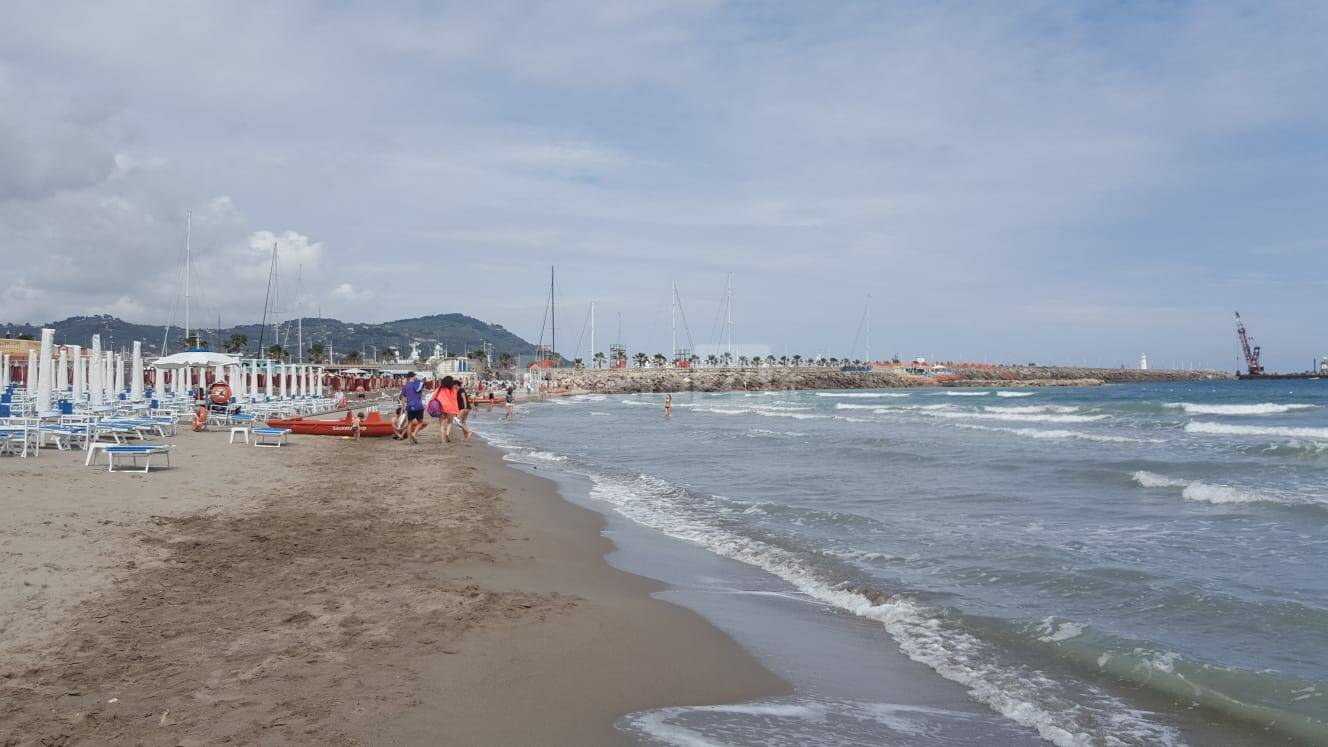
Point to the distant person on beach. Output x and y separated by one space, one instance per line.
339 400
399 424
357 426
668 405
508 399
412 397
443 405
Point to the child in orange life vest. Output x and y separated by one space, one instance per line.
200 419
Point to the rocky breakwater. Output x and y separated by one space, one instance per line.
1073 376
624 381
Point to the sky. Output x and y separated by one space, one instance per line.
1060 182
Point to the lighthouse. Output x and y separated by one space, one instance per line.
1143 361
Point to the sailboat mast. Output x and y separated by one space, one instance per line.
869 330
299 309
592 334
553 316
188 256
673 322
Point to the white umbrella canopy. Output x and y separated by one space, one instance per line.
352 372
195 358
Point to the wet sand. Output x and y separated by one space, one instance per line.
332 592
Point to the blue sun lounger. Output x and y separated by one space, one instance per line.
134 453
272 437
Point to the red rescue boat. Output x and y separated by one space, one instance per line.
374 426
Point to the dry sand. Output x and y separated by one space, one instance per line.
332 592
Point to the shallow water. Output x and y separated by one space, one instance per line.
1097 565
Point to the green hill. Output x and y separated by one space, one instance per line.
456 333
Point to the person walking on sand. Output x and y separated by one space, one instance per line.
412 397
668 405
357 425
444 405
463 409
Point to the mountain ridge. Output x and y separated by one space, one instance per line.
456 333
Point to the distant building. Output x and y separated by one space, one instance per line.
1143 361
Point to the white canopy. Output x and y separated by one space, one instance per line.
195 358
350 372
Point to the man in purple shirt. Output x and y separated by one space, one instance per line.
412 395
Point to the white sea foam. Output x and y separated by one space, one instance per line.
767 433
1154 480
639 403
1266 408
1194 490
1226 429
1053 632
1056 435
536 456
953 393
722 410
1027 409
1015 394
1022 694
851 406
794 415
1017 417
863 395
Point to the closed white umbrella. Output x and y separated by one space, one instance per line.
62 372
158 383
45 371
253 378
318 382
267 380
299 381
30 381
136 371
4 370
76 359
94 372
117 374
281 380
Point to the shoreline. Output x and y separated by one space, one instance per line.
329 592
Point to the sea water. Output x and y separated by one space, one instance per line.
1108 565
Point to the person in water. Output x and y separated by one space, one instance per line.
668 405
412 397
509 398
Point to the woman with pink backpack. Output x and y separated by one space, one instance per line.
443 405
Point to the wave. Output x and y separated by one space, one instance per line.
1226 429
851 406
1265 408
1015 394
1028 409
1194 490
639 403
1057 435
1017 417
722 410
1020 693
864 394
958 394
1295 447
538 456
766 433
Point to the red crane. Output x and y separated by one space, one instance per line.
1251 353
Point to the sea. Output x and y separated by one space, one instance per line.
1118 565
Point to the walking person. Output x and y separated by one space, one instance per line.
463 410
508 399
412 397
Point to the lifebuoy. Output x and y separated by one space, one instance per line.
219 393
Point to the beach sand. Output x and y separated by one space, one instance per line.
332 592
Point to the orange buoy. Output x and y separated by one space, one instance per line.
219 393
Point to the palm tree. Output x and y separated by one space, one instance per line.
353 358
599 359
728 359
770 360
317 352
742 361
390 354
660 360
276 353
505 360
797 360
641 359
783 360
695 359
578 364
712 360
236 343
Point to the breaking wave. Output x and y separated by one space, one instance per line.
1194 490
1226 429
1266 408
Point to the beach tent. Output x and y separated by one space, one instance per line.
136 371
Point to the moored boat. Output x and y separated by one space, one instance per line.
374 426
